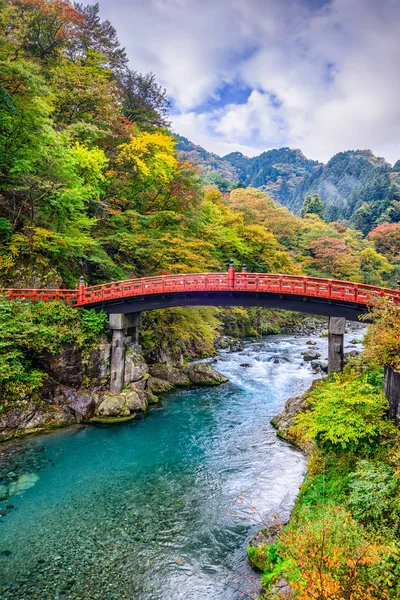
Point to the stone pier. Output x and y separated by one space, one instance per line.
125 328
337 326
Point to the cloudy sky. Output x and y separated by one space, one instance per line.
249 75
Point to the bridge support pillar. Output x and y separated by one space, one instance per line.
124 328
337 326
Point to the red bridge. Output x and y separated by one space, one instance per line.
304 294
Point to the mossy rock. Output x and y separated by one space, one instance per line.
258 556
109 420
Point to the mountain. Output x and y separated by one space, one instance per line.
354 185
209 163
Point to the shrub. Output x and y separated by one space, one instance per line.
346 412
327 556
375 495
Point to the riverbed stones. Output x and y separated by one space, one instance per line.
310 355
320 365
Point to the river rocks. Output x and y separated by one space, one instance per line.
18 420
320 365
82 405
279 359
121 405
172 375
135 402
158 386
283 422
203 374
23 483
258 545
351 353
310 355
226 342
113 406
245 365
311 343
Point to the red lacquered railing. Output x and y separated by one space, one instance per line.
311 287
40 294
243 282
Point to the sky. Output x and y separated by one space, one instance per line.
250 75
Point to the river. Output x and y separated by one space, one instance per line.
146 510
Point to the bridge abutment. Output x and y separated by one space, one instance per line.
125 328
337 326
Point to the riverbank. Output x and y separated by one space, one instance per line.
343 535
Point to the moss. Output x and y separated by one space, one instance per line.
109 420
258 556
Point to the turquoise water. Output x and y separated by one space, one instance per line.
145 510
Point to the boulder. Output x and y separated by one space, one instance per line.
113 406
32 416
310 355
122 405
203 374
172 375
311 343
136 402
321 365
284 421
158 386
82 405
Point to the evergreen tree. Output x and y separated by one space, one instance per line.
313 205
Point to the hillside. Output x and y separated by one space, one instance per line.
355 185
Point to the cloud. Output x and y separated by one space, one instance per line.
322 74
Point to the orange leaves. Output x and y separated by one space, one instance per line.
387 239
330 557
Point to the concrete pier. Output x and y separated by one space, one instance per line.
337 327
125 328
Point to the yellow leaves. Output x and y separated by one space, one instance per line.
150 156
90 162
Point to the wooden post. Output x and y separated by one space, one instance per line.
231 274
81 289
337 327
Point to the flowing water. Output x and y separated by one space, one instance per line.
146 510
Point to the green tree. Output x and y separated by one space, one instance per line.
312 205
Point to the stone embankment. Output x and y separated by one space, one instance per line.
77 389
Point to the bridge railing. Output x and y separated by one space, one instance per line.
196 282
36 295
257 282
